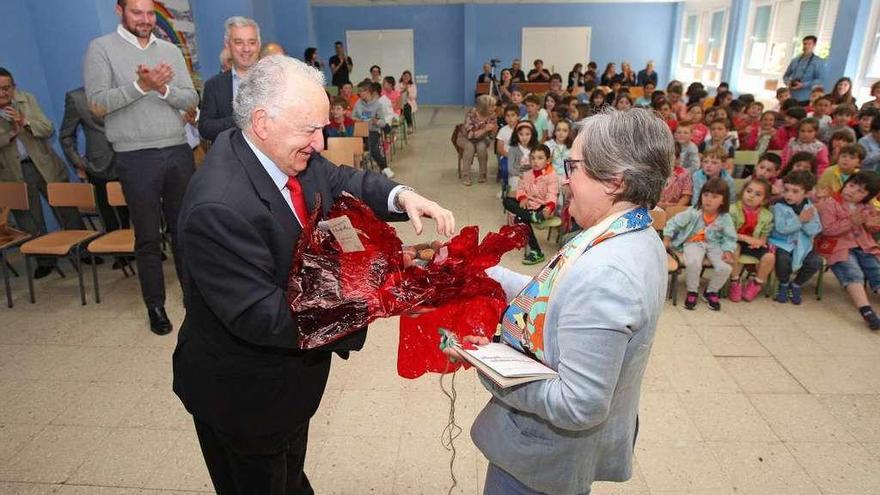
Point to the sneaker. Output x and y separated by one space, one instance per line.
871 318
690 302
533 258
782 293
752 290
736 291
796 294
388 172
713 300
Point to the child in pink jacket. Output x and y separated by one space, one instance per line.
848 219
535 198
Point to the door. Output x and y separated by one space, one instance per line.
390 49
559 47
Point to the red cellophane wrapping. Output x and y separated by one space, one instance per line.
333 293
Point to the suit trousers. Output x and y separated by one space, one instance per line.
108 216
154 181
268 466
32 221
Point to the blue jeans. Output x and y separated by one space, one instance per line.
500 482
857 268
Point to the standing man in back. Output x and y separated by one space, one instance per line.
242 39
143 85
340 66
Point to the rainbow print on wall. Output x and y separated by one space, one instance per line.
174 23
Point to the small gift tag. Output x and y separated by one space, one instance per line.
344 233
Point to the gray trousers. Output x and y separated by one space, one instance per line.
154 181
470 148
694 253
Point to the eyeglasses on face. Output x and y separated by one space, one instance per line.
568 164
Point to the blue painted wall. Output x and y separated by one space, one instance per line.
850 29
453 41
24 61
438 41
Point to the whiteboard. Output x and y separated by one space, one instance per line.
390 49
559 47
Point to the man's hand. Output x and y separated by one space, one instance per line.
417 206
97 111
14 115
154 79
190 116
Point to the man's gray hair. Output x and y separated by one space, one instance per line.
633 144
239 22
267 85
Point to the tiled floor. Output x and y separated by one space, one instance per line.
758 399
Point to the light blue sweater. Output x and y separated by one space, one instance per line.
558 436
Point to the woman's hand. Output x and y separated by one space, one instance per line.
452 353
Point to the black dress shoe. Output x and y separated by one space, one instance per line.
43 271
159 322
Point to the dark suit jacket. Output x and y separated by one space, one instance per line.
215 111
237 366
99 152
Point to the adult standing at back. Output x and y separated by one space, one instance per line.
647 74
804 71
242 39
340 66
143 84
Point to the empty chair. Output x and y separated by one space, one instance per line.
64 243
118 243
13 196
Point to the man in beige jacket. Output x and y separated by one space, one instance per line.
26 155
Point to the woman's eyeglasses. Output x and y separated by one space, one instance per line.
568 164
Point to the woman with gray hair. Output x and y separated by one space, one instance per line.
476 137
590 314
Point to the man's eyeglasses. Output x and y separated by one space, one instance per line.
569 164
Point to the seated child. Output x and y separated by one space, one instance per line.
644 101
753 223
502 139
760 136
705 231
370 109
832 180
712 166
754 110
340 124
822 112
789 130
560 150
690 156
537 118
389 91
516 98
718 139
795 224
768 167
846 243
807 140
871 143
679 186
838 140
864 117
523 140
782 94
802 160
840 117
535 200
695 116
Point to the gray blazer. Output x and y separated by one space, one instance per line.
99 153
558 436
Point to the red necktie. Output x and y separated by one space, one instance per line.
297 199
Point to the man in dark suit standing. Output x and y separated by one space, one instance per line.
98 164
237 368
242 40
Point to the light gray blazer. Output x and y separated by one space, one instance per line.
558 436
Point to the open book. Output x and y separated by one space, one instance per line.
503 364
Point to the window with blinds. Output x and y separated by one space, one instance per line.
703 37
689 40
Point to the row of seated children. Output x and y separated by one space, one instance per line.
787 237
371 107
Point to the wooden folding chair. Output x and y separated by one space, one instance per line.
341 157
64 243
13 196
119 243
350 145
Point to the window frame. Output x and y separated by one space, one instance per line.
703 33
862 85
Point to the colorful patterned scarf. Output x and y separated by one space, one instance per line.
522 325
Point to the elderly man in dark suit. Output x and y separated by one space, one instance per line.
98 164
242 40
237 368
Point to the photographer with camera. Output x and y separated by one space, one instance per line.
805 71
